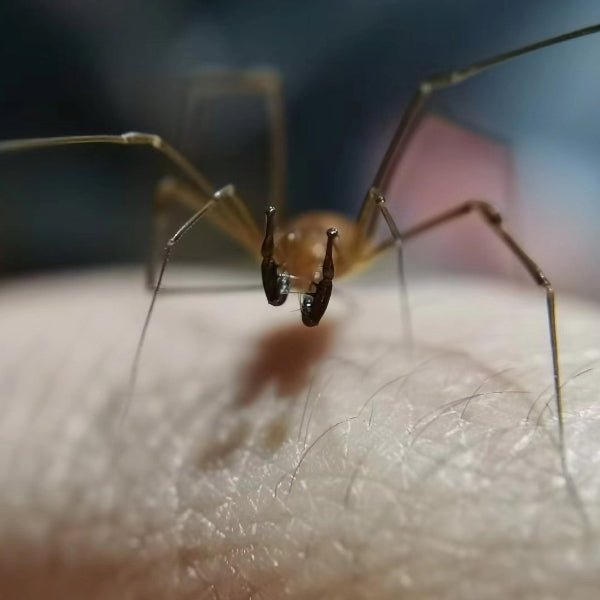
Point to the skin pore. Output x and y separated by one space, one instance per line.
263 459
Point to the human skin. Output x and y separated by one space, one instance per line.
262 459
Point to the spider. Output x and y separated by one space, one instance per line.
304 254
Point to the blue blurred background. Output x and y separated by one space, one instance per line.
348 68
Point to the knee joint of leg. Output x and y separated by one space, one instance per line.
487 210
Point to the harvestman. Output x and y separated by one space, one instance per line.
301 254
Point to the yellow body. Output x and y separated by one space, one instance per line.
300 246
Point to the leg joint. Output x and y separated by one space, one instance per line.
542 280
150 139
376 195
487 210
225 192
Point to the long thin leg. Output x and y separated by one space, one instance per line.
412 112
132 138
222 194
376 199
494 219
265 83
232 217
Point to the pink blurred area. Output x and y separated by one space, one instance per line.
444 165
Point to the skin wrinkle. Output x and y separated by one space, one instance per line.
406 540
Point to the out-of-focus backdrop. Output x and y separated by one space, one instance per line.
526 135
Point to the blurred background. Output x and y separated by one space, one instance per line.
525 136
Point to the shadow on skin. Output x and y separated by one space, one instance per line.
285 357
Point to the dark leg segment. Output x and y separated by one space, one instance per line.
444 80
393 155
275 284
314 304
494 219
412 113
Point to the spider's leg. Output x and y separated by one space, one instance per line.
248 83
126 139
234 220
494 219
222 195
410 116
376 200
231 216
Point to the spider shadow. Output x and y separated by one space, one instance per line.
284 358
